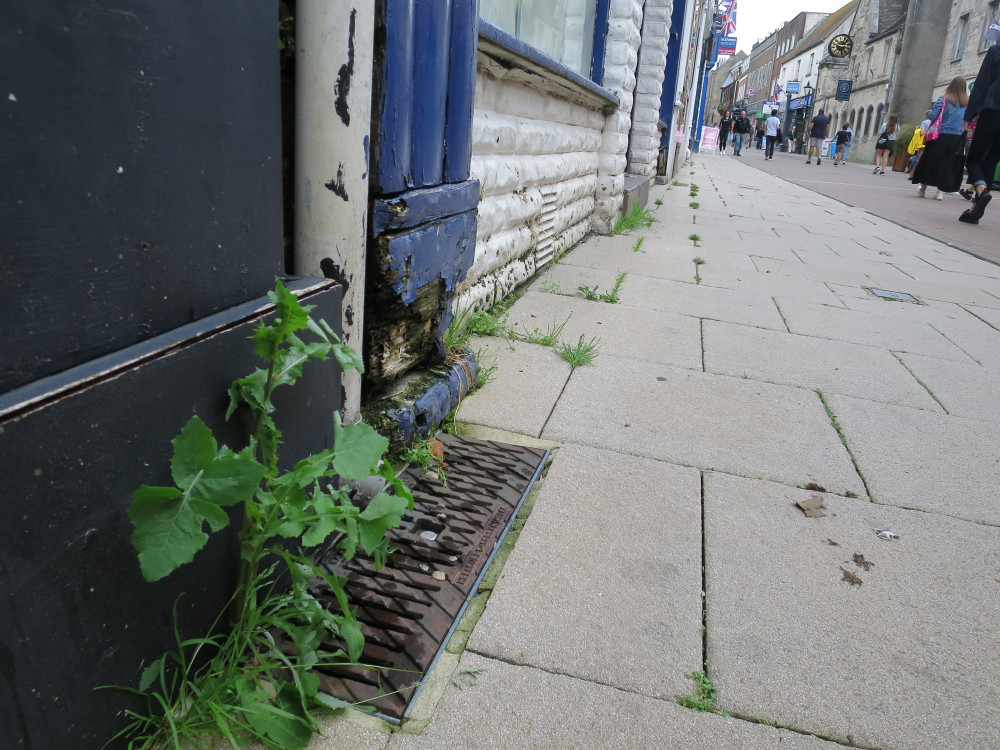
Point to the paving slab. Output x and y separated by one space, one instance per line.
903 660
575 571
974 335
656 258
966 390
765 284
624 331
702 301
745 427
881 275
912 458
521 394
521 708
887 331
808 362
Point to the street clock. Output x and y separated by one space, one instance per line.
841 45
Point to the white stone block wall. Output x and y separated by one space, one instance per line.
645 143
536 156
621 56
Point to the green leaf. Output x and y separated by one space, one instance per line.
398 485
350 631
329 520
357 449
384 512
194 449
306 471
169 523
348 358
150 674
332 703
167 530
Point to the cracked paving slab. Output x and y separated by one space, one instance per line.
906 659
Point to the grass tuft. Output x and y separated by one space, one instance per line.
638 218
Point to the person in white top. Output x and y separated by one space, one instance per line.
772 127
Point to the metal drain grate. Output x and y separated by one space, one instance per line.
408 609
896 296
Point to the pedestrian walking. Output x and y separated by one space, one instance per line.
886 143
944 143
759 136
742 127
772 132
841 141
916 145
817 132
724 127
847 146
984 151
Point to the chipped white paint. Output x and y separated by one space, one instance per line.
645 143
536 156
620 60
330 151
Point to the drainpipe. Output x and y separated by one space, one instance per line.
675 118
333 87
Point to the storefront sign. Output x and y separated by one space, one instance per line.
792 87
800 103
709 138
727 45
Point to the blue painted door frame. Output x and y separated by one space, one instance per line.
423 226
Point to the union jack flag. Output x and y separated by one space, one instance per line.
777 89
727 10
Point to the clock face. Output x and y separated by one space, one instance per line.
841 45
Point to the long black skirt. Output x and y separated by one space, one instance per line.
942 163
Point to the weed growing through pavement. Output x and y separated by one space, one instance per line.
703 698
676 183
580 353
693 204
698 262
467 677
547 338
237 682
428 454
695 238
694 190
590 292
637 248
552 287
638 218
659 201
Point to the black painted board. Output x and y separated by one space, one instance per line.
141 172
75 612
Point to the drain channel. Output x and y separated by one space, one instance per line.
408 609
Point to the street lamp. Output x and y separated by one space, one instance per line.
808 89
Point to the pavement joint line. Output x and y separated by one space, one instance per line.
843 439
701 331
921 382
704 579
979 317
782 314
800 732
953 343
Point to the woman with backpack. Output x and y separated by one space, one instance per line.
943 160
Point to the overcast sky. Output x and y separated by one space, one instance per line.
755 19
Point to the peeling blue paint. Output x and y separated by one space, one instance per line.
423 416
446 249
417 207
367 146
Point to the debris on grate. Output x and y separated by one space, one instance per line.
893 296
409 609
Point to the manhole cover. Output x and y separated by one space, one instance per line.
408 609
896 296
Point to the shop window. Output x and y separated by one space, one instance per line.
562 29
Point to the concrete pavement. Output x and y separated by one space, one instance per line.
665 537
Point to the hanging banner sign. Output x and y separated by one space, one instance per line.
792 87
727 45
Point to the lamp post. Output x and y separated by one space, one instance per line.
809 107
